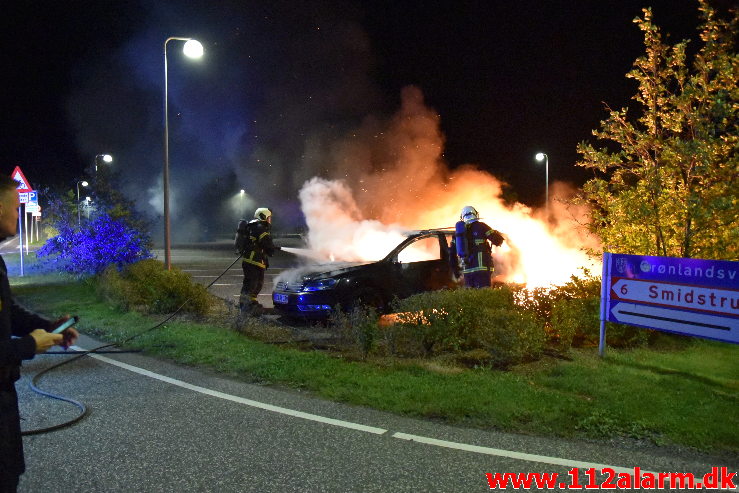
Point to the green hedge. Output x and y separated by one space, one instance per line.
571 315
466 321
146 286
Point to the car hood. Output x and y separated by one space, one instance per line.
333 269
319 271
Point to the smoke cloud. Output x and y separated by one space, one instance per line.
279 81
283 106
391 178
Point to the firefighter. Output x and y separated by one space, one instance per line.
254 243
472 248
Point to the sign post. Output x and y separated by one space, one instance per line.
30 206
695 297
23 191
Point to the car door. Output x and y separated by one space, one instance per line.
422 265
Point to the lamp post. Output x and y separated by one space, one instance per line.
192 49
79 217
107 158
543 157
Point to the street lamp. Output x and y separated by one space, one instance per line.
192 49
543 157
105 157
79 217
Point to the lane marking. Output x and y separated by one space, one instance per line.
211 277
241 400
224 275
509 453
556 461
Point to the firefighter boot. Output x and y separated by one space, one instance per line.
256 309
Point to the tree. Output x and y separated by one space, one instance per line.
113 234
101 242
666 181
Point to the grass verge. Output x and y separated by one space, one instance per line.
685 395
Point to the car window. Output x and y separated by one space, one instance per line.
422 249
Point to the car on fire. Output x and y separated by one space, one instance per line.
418 263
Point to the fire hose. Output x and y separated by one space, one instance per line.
33 384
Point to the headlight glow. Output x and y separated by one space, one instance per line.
319 284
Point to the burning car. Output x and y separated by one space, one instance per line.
418 263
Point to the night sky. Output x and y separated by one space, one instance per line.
282 80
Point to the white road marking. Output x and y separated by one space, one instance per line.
211 277
556 461
225 275
241 400
509 453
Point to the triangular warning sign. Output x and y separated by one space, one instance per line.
18 176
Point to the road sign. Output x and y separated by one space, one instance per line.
29 197
23 185
685 322
695 297
32 207
686 296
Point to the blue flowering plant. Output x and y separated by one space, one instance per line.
98 243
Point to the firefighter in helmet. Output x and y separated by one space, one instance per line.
254 243
471 247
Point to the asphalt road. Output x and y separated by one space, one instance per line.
205 262
154 426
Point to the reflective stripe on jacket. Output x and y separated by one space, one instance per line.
261 242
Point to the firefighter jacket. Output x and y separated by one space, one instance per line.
254 241
478 238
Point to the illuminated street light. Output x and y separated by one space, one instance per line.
79 217
107 158
543 157
192 49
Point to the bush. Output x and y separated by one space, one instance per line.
541 301
576 322
358 327
464 320
148 287
571 315
101 242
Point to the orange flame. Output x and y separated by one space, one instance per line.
399 182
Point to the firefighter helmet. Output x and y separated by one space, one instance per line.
469 214
262 214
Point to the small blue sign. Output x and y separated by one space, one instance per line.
695 297
30 197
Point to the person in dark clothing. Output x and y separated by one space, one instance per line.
472 248
22 335
254 243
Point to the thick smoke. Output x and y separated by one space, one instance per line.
282 107
276 85
392 178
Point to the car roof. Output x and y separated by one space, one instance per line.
413 235
431 231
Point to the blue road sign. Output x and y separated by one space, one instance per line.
695 297
30 197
